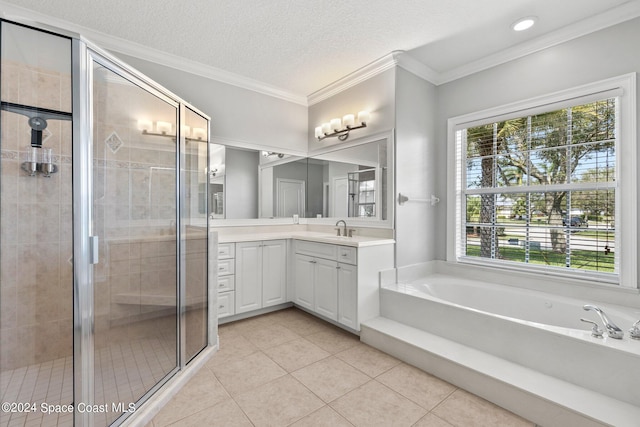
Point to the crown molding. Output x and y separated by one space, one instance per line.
193 67
622 13
127 47
404 60
412 65
368 71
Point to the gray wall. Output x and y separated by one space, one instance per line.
236 114
241 185
607 53
375 95
416 171
314 189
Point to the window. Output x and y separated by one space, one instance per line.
543 187
362 193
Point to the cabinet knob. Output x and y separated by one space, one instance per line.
222 306
313 262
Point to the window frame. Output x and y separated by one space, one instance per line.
623 88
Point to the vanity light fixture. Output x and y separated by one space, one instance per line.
164 129
523 23
198 133
341 128
272 153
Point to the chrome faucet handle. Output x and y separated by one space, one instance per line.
613 331
351 231
595 331
634 332
338 231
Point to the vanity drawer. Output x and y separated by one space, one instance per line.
226 250
226 266
226 304
226 283
320 250
347 255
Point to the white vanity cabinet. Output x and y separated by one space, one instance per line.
339 282
304 267
348 295
261 269
226 279
316 285
325 288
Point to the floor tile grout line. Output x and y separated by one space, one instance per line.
287 373
233 398
444 400
409 397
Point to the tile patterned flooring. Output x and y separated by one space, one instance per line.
50 382
288 368
124 371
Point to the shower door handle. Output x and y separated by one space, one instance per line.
94 247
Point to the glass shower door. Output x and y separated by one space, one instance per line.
195 172
135 152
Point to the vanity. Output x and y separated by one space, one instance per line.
275 215
334 278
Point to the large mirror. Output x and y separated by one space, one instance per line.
217 169
348 182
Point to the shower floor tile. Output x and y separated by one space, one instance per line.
123 373
49 383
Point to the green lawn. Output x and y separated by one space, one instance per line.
580 259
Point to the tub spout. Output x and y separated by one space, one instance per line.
612 330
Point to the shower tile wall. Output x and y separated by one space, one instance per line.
36 283
36 218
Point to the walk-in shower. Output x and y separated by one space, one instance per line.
103 245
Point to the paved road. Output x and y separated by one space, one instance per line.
543 236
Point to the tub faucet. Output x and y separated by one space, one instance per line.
345 227
612 330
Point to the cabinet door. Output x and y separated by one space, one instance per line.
348 295
326 288
248 276
304 270
274 269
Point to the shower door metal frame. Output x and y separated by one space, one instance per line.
83 55
85 243
83 362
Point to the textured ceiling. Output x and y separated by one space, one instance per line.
303 45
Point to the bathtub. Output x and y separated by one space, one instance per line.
540 332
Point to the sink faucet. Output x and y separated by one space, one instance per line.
612 330
345 227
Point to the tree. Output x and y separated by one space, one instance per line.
544 149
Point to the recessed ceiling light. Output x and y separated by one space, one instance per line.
524 23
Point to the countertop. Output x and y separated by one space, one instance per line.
312 236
